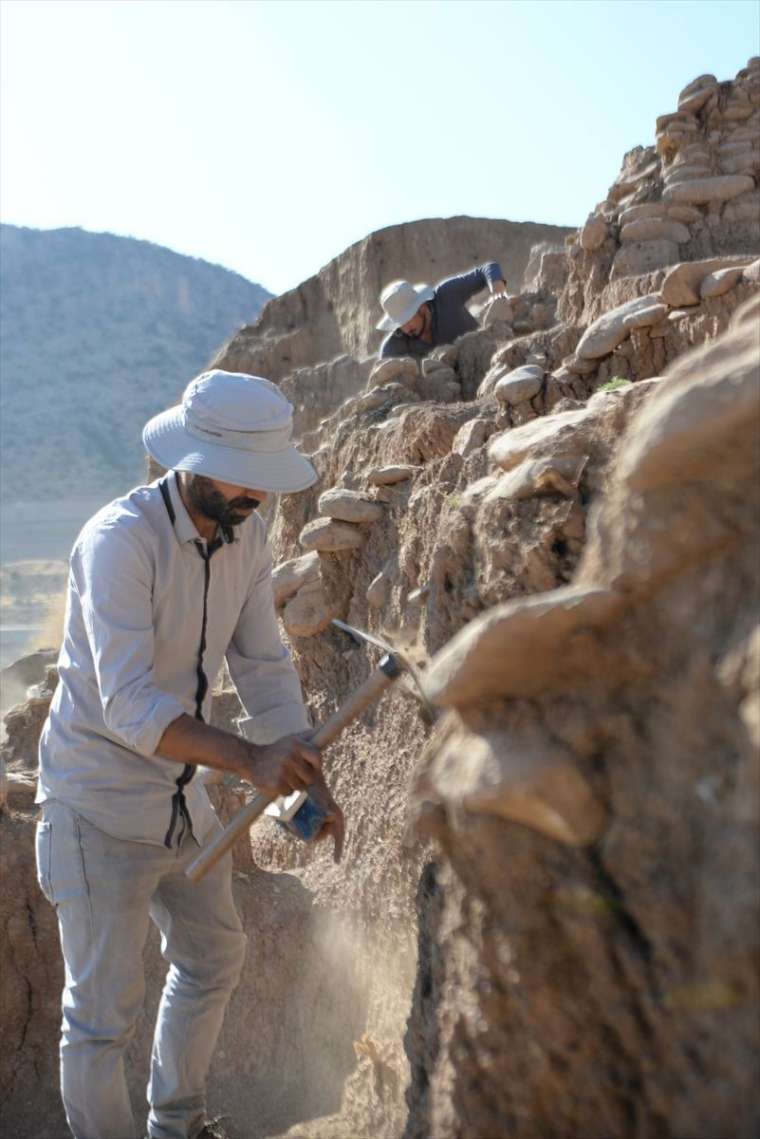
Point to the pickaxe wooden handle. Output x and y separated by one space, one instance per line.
368 693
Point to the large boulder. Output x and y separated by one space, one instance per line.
349 506
511 650
519 385
654 229
682 283
309 612
720 188
329 536
289 576
398 369
601 337
574 434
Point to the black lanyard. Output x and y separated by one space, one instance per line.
179 805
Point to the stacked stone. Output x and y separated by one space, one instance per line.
303 603
528 311
696 191
683 288
387 478
518 391
391 386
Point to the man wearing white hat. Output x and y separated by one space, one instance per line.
165 584
420 317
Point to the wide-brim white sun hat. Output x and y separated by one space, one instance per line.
231 427
400 301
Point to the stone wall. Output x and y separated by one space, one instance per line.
692 195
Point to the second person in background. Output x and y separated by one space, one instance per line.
421 317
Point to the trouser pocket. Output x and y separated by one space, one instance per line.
60 860
43 854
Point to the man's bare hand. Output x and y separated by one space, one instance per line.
293 763
288 764
499 288
334 824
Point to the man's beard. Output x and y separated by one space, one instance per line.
209 501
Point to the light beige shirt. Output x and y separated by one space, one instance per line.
130 654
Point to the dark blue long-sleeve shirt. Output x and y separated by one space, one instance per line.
450 316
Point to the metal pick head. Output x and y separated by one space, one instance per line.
360 637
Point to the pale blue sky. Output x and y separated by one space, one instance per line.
269 136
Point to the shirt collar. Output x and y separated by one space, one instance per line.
184 527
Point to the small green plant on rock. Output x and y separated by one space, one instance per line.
613 384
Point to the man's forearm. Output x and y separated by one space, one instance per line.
466 285
191 741
289 764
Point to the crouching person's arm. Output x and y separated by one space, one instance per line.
466 285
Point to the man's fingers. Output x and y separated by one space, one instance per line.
297 764
334 825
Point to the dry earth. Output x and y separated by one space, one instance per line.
546 921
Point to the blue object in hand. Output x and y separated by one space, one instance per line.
307 821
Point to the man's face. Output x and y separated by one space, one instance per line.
222 502
415 326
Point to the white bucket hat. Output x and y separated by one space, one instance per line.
400 301
231 427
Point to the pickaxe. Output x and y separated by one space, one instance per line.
389 668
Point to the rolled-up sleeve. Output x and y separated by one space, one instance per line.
260 665
112 575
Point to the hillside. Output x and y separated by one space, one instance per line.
98 333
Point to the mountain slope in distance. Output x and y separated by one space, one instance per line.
98 333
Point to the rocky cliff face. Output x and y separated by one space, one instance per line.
546 920
591 942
